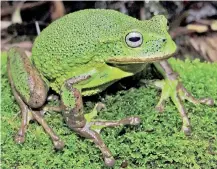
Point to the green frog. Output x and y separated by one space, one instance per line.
83 53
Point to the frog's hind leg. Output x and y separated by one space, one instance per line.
84 125
20 136
30 92
28 115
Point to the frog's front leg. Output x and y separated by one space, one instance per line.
30 92
171 87
84 125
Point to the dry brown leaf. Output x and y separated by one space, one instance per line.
16 16
57 10
212 41
180 31
26 45
5 24
214 25
211 23
197 28
206 46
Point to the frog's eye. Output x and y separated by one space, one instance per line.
134 39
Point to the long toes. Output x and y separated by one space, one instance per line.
131 120
109 161
58 144
186 130
19 139
207 101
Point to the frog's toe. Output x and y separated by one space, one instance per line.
59 144
135 120
186 130
185 95
19 139
160 108
109 161
97 108
207 101
100 106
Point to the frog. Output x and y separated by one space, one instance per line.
82 54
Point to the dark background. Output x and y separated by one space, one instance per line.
193 24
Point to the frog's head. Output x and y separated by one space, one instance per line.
144 42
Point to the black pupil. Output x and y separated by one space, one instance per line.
134 39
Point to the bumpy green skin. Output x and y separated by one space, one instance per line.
75 45
67 97
19 74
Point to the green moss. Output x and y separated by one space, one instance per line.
156 143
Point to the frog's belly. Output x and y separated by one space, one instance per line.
101 80
105 77
95 90
101 77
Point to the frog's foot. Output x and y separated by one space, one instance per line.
27 115
174 89
97 125
92 129
58 143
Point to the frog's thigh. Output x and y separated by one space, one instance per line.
26 79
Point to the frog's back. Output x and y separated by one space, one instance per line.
72 40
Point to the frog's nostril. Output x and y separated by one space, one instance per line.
164 40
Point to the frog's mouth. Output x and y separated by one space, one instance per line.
144 59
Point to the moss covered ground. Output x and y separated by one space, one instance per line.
156 143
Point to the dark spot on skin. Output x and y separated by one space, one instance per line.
104 75
164 40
